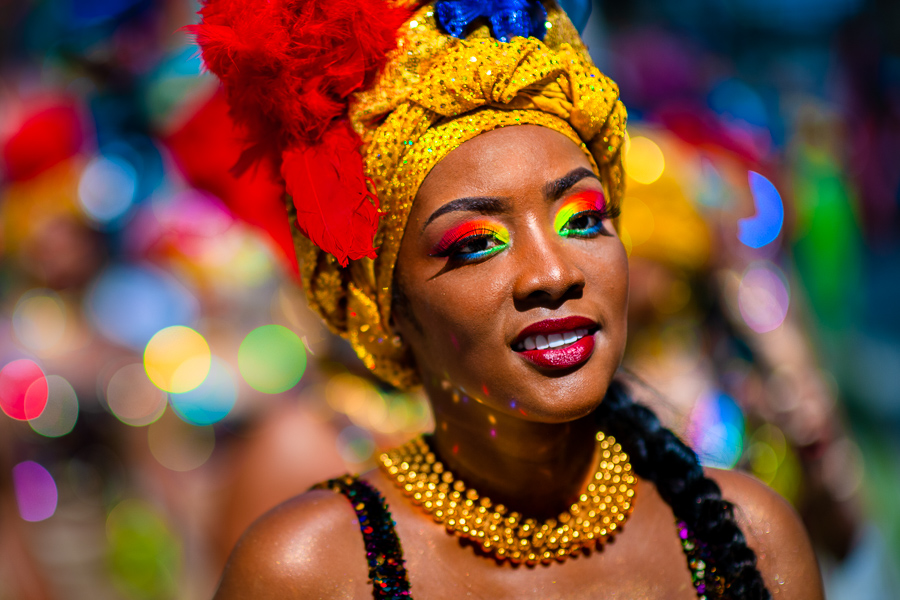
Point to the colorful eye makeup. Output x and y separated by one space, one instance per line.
581 215
472 241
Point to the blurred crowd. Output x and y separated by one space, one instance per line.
162 383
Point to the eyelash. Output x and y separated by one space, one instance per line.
452 248
594 230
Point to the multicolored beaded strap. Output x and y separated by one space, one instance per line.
703 573
385 556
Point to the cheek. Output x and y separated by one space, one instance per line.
616 277
460 323
609 273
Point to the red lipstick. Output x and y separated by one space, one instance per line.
557 343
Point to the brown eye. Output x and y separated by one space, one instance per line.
584 224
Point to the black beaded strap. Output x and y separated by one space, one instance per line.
383 552
703 573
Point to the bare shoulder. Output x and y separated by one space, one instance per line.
774 531
307 547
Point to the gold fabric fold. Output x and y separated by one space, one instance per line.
436 93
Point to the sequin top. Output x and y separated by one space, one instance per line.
384 555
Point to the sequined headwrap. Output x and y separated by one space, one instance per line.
435 93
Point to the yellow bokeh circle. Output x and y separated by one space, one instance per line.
177 359
644 161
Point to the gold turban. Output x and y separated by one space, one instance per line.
435 93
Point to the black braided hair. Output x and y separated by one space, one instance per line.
659 456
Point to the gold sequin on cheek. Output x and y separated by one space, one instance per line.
435 93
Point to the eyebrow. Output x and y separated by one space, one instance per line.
485 205
488 205
554 189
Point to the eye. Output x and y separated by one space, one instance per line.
584 224
583 215
471 243
478 244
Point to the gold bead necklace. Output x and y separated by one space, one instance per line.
599 512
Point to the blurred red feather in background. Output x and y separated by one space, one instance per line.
47 135
205 149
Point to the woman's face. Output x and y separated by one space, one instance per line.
516 282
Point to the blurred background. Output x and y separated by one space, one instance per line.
162 383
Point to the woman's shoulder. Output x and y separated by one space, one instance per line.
774 531
307 547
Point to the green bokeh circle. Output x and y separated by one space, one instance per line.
272 359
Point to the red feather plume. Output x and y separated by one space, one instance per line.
289 67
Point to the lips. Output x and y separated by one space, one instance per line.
557 343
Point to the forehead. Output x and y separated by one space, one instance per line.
501 162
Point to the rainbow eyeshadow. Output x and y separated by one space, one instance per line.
587 201
472 234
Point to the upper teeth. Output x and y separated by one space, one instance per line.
554 340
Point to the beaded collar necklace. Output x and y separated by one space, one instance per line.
598 513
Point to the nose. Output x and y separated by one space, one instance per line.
548 272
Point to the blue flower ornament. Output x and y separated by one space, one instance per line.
508 18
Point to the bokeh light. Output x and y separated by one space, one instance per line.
843 469
355 444
762 228
23 389
128 304
644 161
272 359
772 460
369 408
39 319
738 102
358 399
61 412
174 78
177 359
143 553
36 492
133 398
763 297
107 188
212 400
717 430
637 220
178 446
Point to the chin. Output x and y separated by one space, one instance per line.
558 397
563 399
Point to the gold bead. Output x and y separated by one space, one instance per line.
508 535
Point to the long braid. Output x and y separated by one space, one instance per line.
659 456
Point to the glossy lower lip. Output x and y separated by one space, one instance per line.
555 326
563 357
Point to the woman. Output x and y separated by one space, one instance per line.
500 285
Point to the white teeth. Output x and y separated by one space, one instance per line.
553 340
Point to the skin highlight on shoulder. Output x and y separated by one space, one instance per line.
308 547
773 529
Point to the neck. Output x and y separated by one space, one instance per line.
537 469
